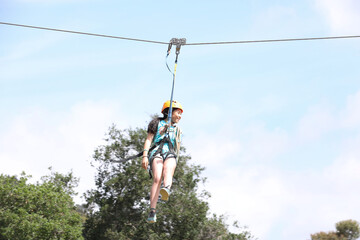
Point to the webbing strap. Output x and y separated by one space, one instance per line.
178 42
134 156
167 140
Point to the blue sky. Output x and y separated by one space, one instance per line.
277 124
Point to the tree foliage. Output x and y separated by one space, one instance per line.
345 230
349 229
44 210
325 236
118 207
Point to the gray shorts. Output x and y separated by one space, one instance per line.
163 156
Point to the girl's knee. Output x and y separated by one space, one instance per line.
157 180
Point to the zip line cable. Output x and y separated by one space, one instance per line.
274 40
189 44
83 33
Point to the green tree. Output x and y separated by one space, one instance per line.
325 236
345 230
349 229
44 210
118 207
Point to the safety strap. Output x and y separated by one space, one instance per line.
178 42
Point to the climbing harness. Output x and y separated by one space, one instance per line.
160 145
159 150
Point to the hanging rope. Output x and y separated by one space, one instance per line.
178 42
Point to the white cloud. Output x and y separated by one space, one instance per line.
342 15
320 198
321 120
300 203
279 203
242 186
351 114
213 150
230 145
253 196
261 144
318 121
40 138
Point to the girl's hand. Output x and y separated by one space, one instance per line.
145 162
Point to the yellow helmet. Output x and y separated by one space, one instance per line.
175 104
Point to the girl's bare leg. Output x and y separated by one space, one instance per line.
157 169
168 171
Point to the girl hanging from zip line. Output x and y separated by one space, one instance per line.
163 158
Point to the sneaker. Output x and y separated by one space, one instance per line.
152 217
165 193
